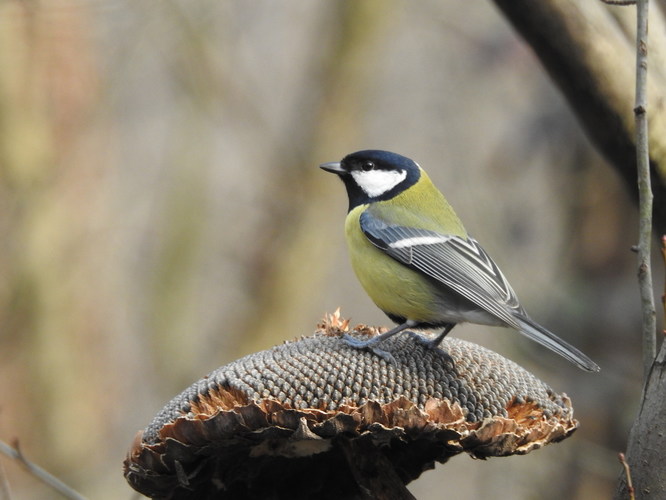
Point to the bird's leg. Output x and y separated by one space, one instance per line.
438 340
434 343
371 343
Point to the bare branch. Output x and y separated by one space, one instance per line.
627 473
619 2
5 492
586 50
663 296
644 190
49 479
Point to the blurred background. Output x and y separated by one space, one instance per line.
162 213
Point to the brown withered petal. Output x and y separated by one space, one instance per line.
291 422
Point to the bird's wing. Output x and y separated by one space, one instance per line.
459 263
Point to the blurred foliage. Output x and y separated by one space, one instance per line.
161 212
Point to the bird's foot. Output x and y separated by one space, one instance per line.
432 344
371 345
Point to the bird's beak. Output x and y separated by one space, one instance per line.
334 167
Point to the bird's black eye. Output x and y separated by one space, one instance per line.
367 165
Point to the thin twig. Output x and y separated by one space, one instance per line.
644 190
619 2
627 473
47 478
663 295
5 492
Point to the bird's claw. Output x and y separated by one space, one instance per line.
431 344
357 343
369 344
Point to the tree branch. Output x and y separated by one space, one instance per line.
627 474
585 51
5 492
44 476
644 190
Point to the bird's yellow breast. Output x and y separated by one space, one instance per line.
393 287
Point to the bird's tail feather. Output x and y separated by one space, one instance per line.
548 339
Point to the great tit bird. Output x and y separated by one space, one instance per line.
415 260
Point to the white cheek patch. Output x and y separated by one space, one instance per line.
377 182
